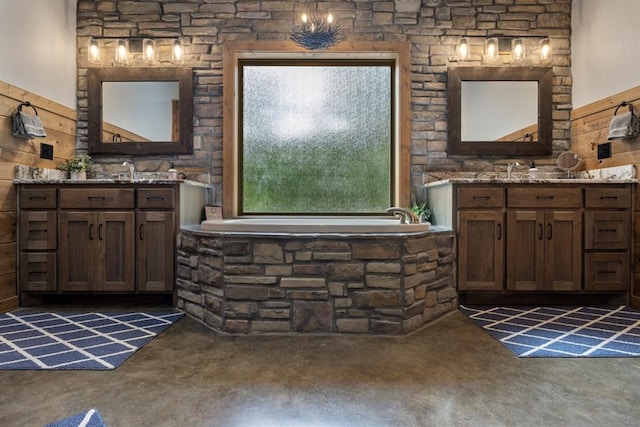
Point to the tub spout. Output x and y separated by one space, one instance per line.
404 213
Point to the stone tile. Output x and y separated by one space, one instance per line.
270 326
303 282
373 299
359 326
388 251
312 316
379 281
268 253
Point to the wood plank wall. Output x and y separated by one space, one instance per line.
590 126
60 124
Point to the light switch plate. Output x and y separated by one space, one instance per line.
46 151
604 151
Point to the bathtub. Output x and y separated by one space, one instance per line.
342 225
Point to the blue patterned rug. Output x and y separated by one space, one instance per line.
95 341
561 331
91 418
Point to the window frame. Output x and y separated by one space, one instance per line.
235 52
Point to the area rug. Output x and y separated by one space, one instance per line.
561 331
91 418
93 341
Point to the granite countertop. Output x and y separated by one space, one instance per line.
532 181
144 181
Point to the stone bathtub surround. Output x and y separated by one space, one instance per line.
377 284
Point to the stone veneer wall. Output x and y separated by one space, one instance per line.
432 27
389 284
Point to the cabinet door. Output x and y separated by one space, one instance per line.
607 230
116 250
155 251
78 261
525 250
563 250
481 250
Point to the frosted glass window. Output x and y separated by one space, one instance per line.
316 139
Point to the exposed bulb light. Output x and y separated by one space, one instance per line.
329 18
94 51
545 50
463 50
304 18
149 51
517 50
122 52
491 50
177 52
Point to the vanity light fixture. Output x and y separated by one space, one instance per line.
149 51
136 50
517 49
121 52
177 51
463 49
94 51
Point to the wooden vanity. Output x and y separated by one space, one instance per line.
102 238
528 242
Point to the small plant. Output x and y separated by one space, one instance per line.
78 163
420 209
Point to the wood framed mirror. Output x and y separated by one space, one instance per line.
140 111
503 111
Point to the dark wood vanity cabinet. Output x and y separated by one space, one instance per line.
94 238
519 241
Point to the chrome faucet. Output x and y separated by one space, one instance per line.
132 169
510 167
404 213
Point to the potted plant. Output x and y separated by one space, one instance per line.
77 166
422 211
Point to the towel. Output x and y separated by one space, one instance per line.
623 126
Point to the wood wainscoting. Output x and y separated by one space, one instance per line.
60 124
589 127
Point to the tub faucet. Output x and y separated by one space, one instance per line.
132 169
510 167
404 213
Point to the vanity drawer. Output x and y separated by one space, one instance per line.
480 197
607 271
607 198
155 198
89 198
38 198
544 197
607 230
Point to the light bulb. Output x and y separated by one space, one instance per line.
304 18
463 49
177 52
545 50
122 52
94 51
518 49
149 51
329 18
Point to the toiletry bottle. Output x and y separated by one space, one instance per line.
533 171
173 173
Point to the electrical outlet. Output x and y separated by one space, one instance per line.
604 151
46 151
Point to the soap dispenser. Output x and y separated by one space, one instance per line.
533 171
173 173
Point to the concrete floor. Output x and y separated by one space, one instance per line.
448 373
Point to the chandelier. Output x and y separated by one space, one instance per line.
316 30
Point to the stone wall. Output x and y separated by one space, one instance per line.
389 284
432 27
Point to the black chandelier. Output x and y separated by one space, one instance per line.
316 30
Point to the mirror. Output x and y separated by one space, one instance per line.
140 110
500 111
